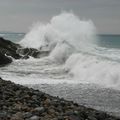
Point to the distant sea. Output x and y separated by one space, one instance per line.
105 40
109 41
14 37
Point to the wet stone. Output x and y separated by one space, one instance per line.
91 118
21 103
34 118
3 114
60 118
17 116
27 115
38 110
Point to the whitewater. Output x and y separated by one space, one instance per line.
76 68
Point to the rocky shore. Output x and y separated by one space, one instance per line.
21 103
9 50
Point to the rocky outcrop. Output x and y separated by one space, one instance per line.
4 60
25 52
10 49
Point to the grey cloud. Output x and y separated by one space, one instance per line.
104 13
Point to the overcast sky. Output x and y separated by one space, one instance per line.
18 15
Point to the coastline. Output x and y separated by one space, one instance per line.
21 103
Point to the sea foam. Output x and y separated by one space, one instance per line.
63 35
93 69
71 42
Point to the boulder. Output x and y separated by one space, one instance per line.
4 60
9 48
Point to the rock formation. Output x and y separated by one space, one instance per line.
9 49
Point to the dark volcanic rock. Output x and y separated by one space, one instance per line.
9 48
4 60
32 52
21 103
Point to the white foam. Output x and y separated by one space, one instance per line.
92 69
70 40
65 32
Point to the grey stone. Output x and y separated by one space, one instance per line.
60 118
40 109
3 114
34 118
27 115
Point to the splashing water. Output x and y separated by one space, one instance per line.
64 31
71 41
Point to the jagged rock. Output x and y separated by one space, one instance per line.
9 48
16 51
32 52
4 60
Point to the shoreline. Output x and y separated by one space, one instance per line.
22 103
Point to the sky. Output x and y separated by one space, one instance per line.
19 15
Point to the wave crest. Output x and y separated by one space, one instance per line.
65 32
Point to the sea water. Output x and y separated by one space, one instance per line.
82 66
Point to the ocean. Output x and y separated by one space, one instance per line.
82 66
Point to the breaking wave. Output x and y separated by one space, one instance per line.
71 41
65 34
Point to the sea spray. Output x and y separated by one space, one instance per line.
65 34
93 69
71 41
